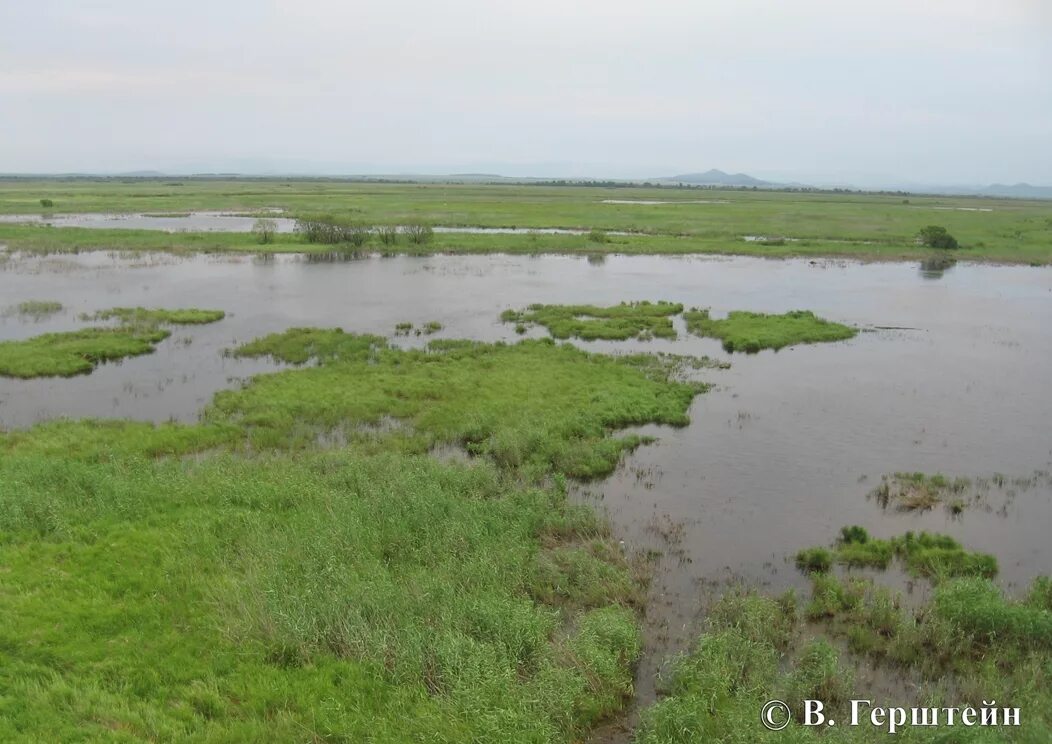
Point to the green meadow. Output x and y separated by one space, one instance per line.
246 578
779 224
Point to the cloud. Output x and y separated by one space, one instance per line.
940 89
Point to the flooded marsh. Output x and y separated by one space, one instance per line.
946 378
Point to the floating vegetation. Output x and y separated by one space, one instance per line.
403 329
142 315
750 332
35 309
75 352
923 554
640 320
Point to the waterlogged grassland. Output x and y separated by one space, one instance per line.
854 225
640 320
538 407
75 352
235 581
967 645
160 316
750 332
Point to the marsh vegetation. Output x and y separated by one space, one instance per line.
867 226
752 332
641 320
427 592
161 316
74 352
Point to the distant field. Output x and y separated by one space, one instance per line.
864 226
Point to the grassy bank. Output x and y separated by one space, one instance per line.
255 577
779 224
73 239
996 224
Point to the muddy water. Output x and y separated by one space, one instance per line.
950 376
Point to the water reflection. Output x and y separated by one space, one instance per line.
936 267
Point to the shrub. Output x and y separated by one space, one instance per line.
419 233
854 534
597 236
357 234
47 203
329 233
264 230
388 234
935 236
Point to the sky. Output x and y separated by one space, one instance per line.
868 91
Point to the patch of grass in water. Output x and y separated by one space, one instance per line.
923 554
751 332
36 309
533 406
146 316
300 345
75 352
920 492
640 320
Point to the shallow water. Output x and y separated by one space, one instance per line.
951 376
188 222
234 223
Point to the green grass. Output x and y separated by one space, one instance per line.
864 226
589 322
923 554
235 580
814 560
74 352
751 332
35 308
385 598
968 644
142 315
538 407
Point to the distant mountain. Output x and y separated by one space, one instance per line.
716 177
1018 190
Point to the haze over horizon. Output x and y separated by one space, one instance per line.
885 92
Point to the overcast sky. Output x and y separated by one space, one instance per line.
922 91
